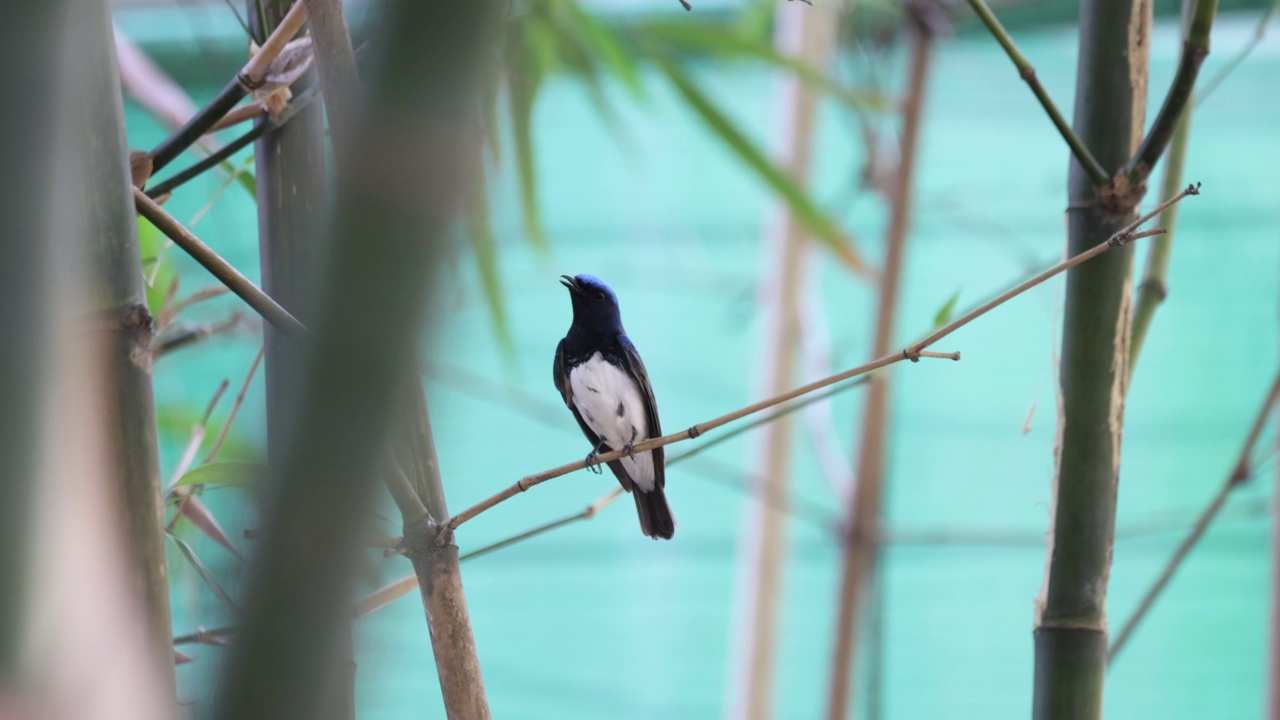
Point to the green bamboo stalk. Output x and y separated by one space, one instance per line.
1154 287
1070 633
118 294
291 193
31 36
395 203
860 548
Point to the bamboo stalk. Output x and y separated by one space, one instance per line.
1070 628
31 34
291 187
119 295
1154 287
336 62
396 201
808 34
863 515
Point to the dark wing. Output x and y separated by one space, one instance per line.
635 366
560 373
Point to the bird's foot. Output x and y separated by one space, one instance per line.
629 448
593 461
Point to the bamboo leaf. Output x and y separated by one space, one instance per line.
200 516
202 570
943 316
480 233
523 91
232 473
598 38
806 211
734 45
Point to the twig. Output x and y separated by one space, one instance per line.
1238 475
266 125
585 514
198 432
170 311
246 81
205 637
1124 236
192 334
1195 47
235 407
1259 33
1028 73
912 352
248 111
220 268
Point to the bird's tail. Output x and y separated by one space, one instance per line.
655 514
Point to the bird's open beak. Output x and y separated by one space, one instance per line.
571 283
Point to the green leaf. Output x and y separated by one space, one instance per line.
599 39
232 473
522 95
805 210
202 570
480 233
943 316
157 274
726 44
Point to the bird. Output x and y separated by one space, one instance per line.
604 383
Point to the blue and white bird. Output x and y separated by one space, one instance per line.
603 381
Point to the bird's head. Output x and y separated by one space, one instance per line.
593 301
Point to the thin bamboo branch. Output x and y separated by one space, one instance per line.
299 103
1027 72
1240 472
1154 287
858 564
218 267
235 407
246 81
1259 32
1195 48
913 352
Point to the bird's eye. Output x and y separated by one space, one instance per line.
599 295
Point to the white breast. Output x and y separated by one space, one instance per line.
611 404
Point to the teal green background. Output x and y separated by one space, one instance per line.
594 621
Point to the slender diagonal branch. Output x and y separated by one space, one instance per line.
1195 47
269 309
214 159
1096 172
1259 32
913 352
1240 472
246 81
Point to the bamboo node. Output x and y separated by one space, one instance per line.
694 432
911 354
